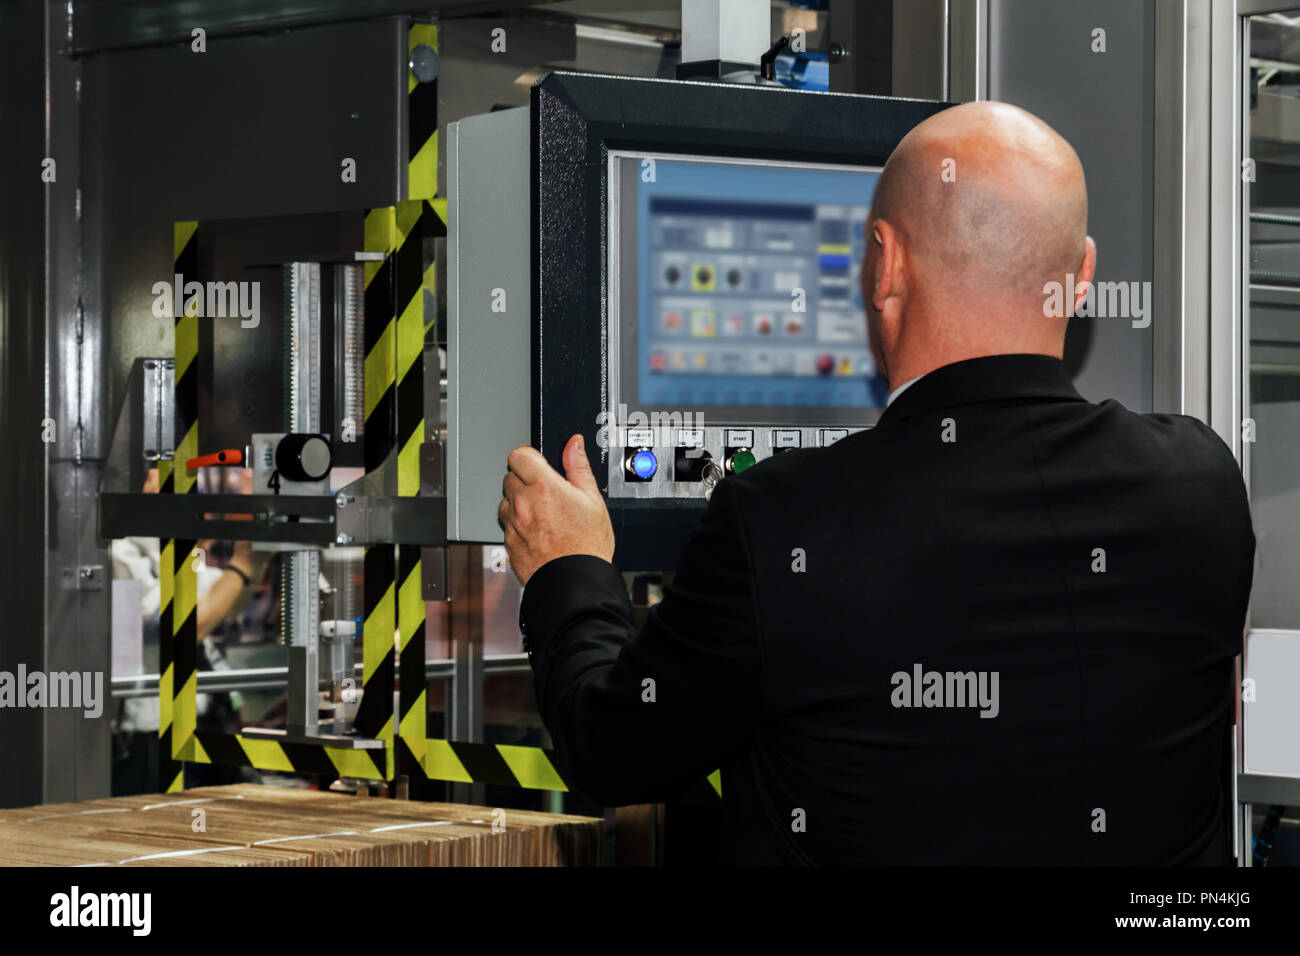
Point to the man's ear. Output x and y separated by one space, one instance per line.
887 283
1087 269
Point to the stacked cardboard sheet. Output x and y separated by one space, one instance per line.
246 825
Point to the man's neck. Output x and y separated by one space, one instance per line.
906 369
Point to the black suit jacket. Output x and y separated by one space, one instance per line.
994 522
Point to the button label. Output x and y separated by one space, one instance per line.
786 438
831 435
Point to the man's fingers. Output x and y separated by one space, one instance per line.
511 485
527 462
577 468
516 510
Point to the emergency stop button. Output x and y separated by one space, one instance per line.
641 464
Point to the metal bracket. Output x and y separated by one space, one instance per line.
433 565
432 468
87 577
324 740
365 520
159 414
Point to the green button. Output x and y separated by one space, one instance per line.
742 460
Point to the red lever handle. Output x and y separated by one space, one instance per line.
227 456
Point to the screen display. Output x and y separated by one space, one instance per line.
747 287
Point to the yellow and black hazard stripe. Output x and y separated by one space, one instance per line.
236 750
415 288
180 739
410 220
374 717
532 768
396 329
375 714
169 771
422 121
413 219
178 578
412 702
423 216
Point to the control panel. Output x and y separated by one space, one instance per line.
669 269
737 325
684 462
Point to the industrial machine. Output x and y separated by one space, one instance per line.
670 269
319 448
666 266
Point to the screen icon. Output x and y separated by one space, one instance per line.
704 323
703 278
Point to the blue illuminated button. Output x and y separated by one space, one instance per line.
643 465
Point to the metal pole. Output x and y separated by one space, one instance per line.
465 624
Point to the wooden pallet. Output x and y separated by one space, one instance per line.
247 825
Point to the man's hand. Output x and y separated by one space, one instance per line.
546 516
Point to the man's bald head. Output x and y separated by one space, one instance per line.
982 205
990 195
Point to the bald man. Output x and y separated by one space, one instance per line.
999 627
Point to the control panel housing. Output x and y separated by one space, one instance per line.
551 330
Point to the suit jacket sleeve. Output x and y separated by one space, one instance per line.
640 718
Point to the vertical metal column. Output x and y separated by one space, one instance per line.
730 31
864 30
300 616
921 40
967 67
348 434
75 636
465 624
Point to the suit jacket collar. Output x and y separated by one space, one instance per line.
990 379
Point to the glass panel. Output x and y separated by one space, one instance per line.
1271 435
238 629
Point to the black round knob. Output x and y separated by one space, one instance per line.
301 457
424 63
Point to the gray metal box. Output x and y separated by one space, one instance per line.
1271 712
489 390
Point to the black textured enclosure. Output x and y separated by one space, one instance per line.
576 120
